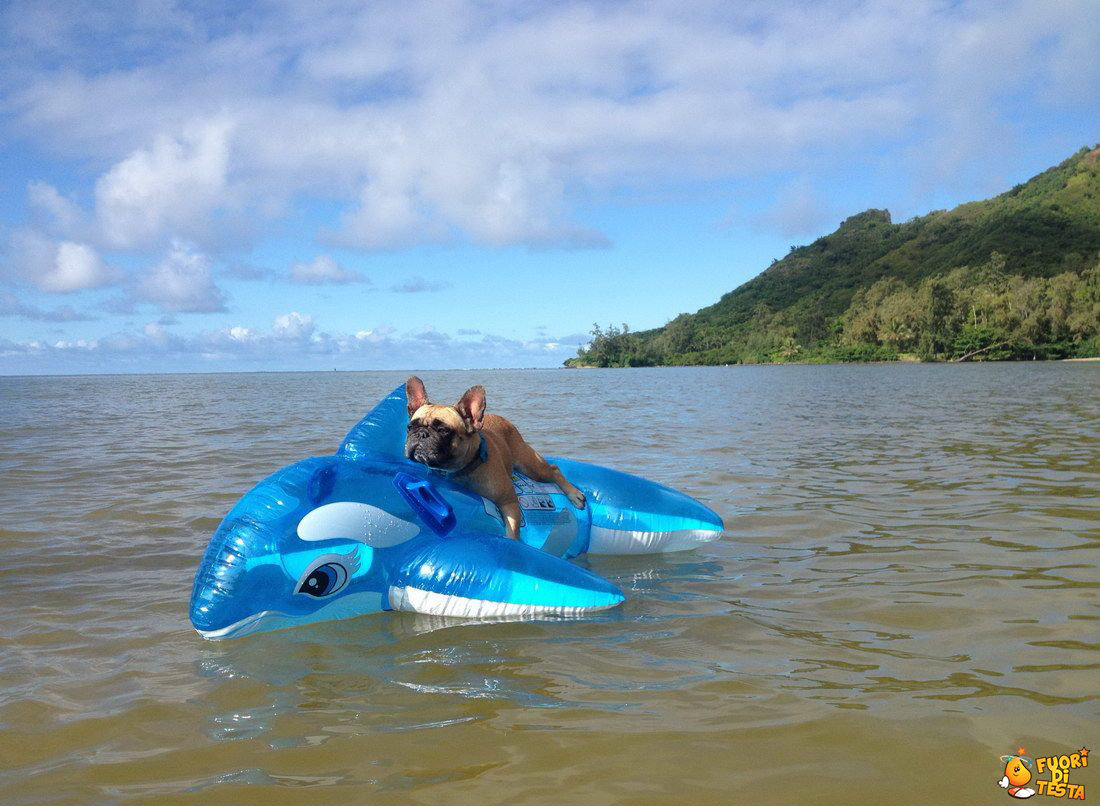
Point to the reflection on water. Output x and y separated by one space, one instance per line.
910 568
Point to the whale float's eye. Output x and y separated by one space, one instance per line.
324 580
328 574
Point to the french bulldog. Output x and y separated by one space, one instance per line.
450 439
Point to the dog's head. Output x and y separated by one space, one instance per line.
441 436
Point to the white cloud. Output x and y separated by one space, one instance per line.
294 326
430 334
375 334
419 285
10 305
56 266
182 283
417 122
58 213
293 340
154 338
323 270
295 334
388 215
76 344
76 267
167 189
799 210
247 271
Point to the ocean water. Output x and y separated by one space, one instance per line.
907 589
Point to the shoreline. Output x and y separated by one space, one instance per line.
906 360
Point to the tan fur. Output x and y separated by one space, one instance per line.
507 451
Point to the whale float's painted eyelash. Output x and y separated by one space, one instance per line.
328 574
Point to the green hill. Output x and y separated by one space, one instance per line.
1015 276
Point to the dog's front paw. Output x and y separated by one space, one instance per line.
578 499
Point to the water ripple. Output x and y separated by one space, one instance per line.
910 561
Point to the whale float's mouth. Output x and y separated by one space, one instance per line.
245 626
430 603
349 606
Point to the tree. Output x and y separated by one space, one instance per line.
938 322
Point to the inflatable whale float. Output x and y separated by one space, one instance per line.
368 530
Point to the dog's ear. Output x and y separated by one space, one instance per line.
472 407
414 391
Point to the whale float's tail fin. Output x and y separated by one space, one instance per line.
381 434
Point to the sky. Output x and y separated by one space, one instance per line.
270 186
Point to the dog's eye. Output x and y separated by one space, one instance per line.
442 430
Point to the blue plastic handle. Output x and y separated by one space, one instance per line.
432 508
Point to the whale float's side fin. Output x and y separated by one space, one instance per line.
382 432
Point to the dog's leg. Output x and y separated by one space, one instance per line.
512 517
531 464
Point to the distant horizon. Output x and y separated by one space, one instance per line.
415 370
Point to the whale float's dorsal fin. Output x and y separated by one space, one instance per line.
382 432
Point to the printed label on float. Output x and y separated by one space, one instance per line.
544 502
526 486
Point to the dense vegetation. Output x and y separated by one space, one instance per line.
1016 276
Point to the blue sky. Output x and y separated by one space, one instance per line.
407 185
